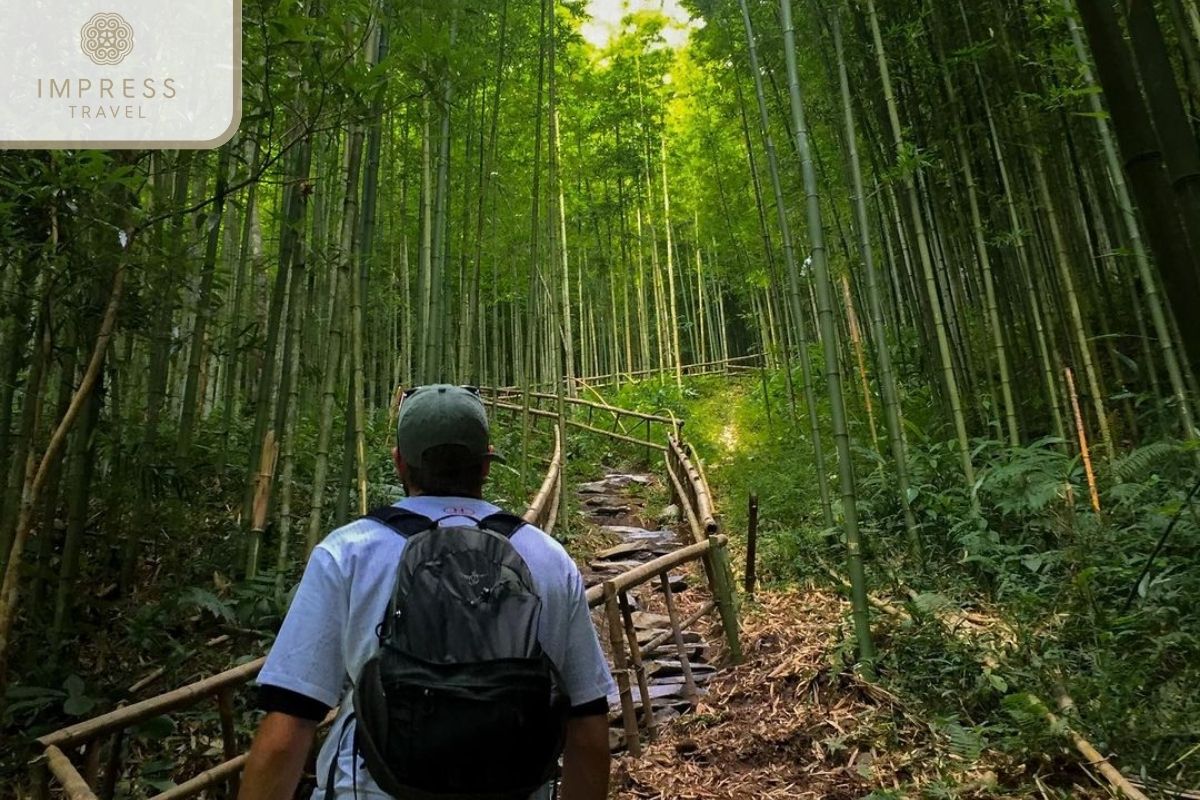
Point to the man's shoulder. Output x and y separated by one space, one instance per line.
354 535
544 554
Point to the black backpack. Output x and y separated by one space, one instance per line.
460 702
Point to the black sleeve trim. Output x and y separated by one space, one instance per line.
591 708
285 701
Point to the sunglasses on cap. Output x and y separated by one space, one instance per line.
409 392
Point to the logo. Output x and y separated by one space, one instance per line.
106 38
112 74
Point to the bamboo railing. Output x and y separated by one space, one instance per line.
85 741
718 367
509 399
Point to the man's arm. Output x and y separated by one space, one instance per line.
586 758
277 757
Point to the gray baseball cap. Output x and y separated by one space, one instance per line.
441 414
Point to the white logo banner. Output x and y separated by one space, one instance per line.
119 73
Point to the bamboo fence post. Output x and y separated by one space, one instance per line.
620 669
639 668
726 599
716 567
751 545
228 733
689 683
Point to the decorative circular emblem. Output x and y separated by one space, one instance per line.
106 38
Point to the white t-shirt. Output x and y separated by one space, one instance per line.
329 631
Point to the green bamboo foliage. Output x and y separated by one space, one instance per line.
829 344
934 303
887 378
484 192
797 329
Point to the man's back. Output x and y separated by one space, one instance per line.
331 628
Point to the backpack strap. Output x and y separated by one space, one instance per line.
402 521
502 523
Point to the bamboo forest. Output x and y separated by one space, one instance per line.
849 347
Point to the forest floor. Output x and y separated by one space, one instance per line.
790 721
795 719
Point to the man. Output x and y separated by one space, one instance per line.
442 457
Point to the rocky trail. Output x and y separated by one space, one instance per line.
615 506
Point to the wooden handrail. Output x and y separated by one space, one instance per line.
645 572
694 481
596 379
579 401
574 423
132 714
544 502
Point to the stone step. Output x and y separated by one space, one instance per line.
632 533
640 548
646 634
669 667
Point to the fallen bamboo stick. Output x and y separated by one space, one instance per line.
72 782
1091 754
1085 748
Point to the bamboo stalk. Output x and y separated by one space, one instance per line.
1083 442
228 733
857 342
262 498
